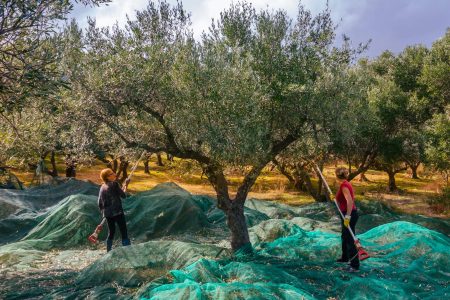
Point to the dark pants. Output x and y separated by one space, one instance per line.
121 222
349 251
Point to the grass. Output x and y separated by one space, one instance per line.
415 196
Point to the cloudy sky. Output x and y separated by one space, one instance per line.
390 24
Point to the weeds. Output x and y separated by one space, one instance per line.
441 202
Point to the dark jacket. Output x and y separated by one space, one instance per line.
109 199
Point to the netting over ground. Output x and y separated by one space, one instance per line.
167 211
410 262
43 196
22 210
179 251
371 214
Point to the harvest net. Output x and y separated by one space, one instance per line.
180 250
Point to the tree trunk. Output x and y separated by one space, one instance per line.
146 166
123 170
294 178
53 162
238 227
233 209
120 168
414 168
368 160
363 178
115 165
309 187
159 158
70 166
392 187
299 184
320 185
44 155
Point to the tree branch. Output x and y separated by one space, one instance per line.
247 184
218 181
369 159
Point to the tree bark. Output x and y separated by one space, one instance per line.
414 168
114 165
110 163
391 169
70 166
159 158
294 179
392 187
309 187
240 239
367 161
301 180
146 166
53 162
363 178
123 170
233 209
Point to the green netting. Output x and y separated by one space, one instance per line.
67 225
22 210
410 262
178 252
371 214
37 198
131 266
166 211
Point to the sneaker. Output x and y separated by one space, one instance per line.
352 270
340 260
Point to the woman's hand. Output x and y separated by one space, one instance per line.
332 197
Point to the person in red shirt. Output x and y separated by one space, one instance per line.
346 202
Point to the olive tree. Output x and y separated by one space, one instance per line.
437 148
344 129
436 72
30 80
238 97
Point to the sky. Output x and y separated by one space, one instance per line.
389 24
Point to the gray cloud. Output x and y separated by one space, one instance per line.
391 24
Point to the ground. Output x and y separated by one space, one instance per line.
413 198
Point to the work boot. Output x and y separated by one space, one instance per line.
126 242
109 245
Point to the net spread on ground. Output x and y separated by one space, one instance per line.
180 249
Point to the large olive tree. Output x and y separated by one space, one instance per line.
237 97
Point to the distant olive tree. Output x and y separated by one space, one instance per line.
30 80
437 149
